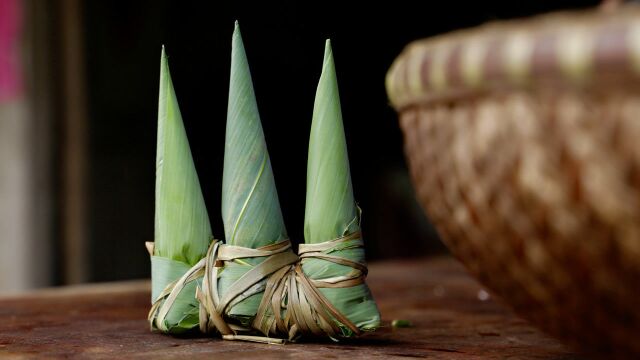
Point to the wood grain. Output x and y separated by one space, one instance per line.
452 318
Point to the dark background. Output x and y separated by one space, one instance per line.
284 41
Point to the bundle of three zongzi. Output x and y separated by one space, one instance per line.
254 283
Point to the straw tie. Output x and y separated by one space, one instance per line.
291 306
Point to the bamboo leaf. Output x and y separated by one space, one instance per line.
182 228
331 211
250 207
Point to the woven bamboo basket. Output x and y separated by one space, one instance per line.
523 142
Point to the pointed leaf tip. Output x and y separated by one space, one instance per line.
164 65
327 50
236 38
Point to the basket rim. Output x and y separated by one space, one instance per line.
578 49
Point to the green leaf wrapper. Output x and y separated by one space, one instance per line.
250 207
331 211
182 228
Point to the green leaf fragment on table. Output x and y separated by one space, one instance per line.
250 207
331 211
182 228
399 323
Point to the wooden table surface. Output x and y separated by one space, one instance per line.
452 318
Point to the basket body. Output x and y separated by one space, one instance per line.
533 179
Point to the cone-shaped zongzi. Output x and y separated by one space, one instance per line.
332 216
182 228
250 207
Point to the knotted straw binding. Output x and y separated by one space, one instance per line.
291 306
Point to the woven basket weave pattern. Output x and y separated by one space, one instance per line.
523 140
538 194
